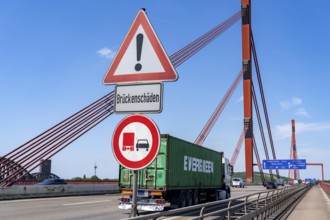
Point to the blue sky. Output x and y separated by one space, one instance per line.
55 54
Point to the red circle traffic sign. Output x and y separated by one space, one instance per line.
136 142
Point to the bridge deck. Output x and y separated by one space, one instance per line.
315 205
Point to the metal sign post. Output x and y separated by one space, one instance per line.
134 210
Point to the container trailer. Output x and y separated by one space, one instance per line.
183 174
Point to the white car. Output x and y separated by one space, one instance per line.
238 182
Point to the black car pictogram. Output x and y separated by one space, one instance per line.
142 143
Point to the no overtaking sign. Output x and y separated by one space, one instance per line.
136 142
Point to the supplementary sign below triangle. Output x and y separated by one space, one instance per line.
141 57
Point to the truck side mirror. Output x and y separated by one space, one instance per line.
231 169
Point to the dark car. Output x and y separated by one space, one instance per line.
142 143
271 185
265 183
52 182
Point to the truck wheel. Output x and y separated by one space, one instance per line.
190 198
227 194
196 197
183 200
217 197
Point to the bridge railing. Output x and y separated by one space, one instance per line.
260 205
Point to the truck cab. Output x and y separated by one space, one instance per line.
228 173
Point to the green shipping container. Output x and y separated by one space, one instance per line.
178 165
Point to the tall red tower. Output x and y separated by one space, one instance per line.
247 87
293 174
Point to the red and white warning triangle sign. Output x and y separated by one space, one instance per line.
141 56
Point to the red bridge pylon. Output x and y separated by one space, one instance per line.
293 174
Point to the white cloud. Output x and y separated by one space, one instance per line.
106 52
285 131
236 118
240 99
302 112
282 131
289 104
295 103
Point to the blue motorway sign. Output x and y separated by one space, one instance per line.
284 164
308 180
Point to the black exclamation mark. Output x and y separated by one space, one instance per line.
139 42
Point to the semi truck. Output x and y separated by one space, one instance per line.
183 174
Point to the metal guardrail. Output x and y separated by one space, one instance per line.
274 205
257 205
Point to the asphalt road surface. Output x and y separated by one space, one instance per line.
100 207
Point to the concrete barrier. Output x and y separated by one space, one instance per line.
35 191
325 187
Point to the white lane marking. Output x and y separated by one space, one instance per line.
86 203
33 199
